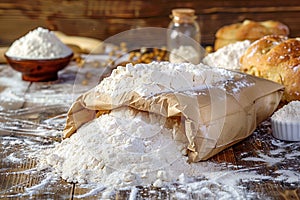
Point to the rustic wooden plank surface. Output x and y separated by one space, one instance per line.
19 178
102 19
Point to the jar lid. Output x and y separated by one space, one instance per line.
183 15
183 12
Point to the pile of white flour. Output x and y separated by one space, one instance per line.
227 57
39 43
125 147
289 112
128 147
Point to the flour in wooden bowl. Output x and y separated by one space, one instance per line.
39 43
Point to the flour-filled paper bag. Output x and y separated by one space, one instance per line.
216 108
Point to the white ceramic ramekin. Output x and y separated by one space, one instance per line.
286 130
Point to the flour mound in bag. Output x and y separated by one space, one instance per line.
208 101
155 78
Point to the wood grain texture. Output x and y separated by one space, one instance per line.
103 18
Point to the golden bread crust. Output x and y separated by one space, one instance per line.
276 58
249 30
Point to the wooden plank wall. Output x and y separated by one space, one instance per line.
103 18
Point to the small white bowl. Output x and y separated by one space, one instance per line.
285 122
286 130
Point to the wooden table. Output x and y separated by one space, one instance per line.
32 115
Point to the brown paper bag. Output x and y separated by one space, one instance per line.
214 118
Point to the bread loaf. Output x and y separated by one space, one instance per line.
276 58
248 30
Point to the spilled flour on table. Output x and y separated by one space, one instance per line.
264 158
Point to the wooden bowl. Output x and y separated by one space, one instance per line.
38 70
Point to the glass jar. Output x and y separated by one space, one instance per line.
183 35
